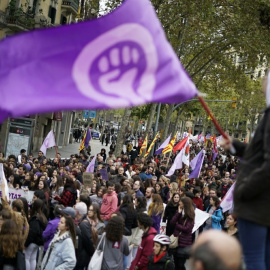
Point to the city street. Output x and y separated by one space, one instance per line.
73 148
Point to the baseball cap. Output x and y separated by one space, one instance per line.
69 211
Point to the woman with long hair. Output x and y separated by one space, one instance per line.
115 244
97 198
94 218
42 185
129 214
172 190
69 194
61 251
231 225
158 188
183 222
11 246
39 194
155 211
170 211
215 214
56 186
37 224
140 204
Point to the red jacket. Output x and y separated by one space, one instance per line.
144 251
198 202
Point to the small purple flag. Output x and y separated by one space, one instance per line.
104 174
87 138
122 59
91 167
196 164
166 142
227 201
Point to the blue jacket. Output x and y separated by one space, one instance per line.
216 217
61 253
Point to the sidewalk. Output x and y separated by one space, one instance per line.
73 148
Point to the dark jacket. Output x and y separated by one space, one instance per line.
251 198
170 211
144 251
86 249
18 262
130 219
36 228
161 264
164 192
184 226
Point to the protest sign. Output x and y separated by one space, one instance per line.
104 174
17 193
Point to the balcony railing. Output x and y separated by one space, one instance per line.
72 6
19 20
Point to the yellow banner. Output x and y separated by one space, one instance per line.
144 145
82 143
151 145
169 147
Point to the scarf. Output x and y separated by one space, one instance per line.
157 258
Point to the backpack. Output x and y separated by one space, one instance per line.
170 260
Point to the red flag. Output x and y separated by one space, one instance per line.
180 145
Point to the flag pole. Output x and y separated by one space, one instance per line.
56 152
218 127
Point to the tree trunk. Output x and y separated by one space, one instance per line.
151 117
167 121
176 123
121 134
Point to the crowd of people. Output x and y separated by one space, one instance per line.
132 216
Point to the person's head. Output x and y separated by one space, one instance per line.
149 192
212 192
115 229
86 199
154 180
22 170
110 187
121 170
231 221
216 250
187 204
214 201
94 212
81 209
227 175
58 210
101 191
144 221
137 185
10 239
65 224
175 198
158 187
39 194
225 181
197 192
161 243
42 185
140 203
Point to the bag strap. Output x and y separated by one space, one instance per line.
184 225
103 237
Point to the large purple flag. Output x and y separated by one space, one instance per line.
91 167
196 164
119 60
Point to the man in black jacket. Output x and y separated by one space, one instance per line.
85 252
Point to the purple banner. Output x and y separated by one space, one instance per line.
119 60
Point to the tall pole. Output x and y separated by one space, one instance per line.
156 126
